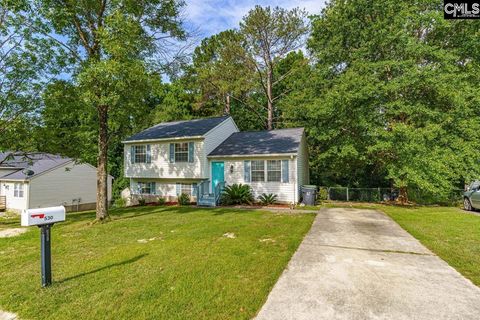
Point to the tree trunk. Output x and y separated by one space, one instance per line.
227 104
269 99
102 175
403 195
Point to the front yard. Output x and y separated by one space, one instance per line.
151 263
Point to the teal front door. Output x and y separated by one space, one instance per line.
218 173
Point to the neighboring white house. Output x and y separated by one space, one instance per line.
46 180
185 156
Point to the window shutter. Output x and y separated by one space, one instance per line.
246 171
285 171
132 154
194 189
153 188
172 152
179 189
191 147
149 154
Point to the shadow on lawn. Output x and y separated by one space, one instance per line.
131 260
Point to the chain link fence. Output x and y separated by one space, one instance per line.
386 194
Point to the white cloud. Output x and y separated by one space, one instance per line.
213 16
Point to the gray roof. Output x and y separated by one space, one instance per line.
177 129
260 142
35 165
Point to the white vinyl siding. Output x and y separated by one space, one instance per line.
161 167
286 192
7 189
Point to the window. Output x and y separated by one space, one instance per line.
18 190
186 188
274 170
181 152
146 187
140 154
258 170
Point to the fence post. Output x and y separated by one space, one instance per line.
328 193
379 195
347 195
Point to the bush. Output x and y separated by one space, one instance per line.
120 203
237 194
161 201
267 199
183 199
142 201
322 194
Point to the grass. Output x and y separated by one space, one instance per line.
449 232
184 269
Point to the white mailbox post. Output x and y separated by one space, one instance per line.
44 218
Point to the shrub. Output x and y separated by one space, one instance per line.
142 201
237 194
183 199
120 203
267 199
161 201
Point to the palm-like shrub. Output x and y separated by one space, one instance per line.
237 194
183 199
266 199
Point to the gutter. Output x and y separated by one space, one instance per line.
163 139
254 155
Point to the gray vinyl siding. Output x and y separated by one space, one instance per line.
63 184
302 164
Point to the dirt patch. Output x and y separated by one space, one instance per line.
8 316
12 232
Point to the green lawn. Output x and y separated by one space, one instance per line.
451 233
184 269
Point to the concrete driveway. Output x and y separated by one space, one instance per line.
359 264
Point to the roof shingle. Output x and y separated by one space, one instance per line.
32 167
260 142
177 129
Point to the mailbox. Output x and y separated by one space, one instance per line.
42 216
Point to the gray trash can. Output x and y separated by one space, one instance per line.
309 194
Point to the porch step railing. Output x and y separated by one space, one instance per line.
207 198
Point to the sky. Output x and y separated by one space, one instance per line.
213 16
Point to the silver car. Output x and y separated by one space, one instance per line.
471 197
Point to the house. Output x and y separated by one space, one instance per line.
45 180
198 157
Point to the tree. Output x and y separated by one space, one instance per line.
28 60
391 98
119 47
218 73
268 36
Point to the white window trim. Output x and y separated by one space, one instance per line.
141 185
18 190
144 146
180 152
265 168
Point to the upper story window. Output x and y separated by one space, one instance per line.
18 190
274 170
140 154
181 152
258 170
